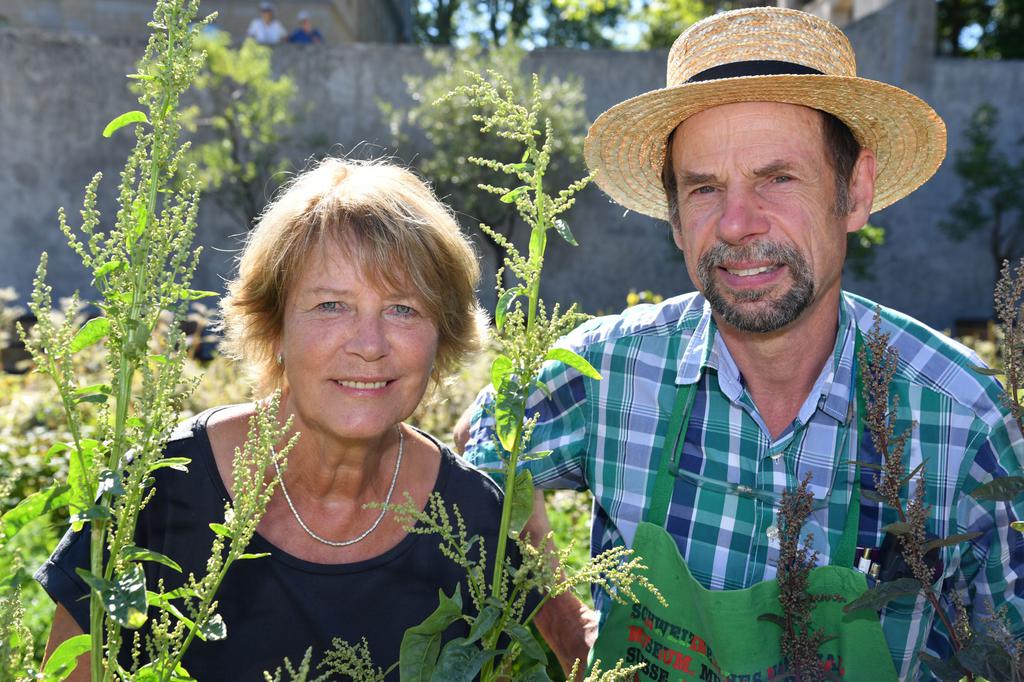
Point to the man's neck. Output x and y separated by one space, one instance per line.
780 368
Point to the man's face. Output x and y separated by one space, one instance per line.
268 15
756 204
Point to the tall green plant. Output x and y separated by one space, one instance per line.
142 267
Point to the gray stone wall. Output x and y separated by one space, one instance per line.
57 93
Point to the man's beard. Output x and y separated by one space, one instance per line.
752 310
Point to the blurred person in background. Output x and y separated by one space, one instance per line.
265 29
306 33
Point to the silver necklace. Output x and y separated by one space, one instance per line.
383 511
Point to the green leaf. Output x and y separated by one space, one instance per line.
92 332
867 465
90 389
93 512
883 593
133 553
483 622
538 242
872 496
107 268
951 540
94 398
124 599
946 670
984 656
176 463
221 529
32 507
543 389
898 528
57 448
163 602
80 468
506 420
214 629
521 634
773 618
504 302
123 120
421 643
909 477
987 371
1004 489
562 228
94 581
460 661
522 503
511 196
531 456
500 368
138 339
110 483
64 659
1017 526
573 360
196 294
149 673
260 555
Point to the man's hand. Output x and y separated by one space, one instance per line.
460 434
570 629
567 625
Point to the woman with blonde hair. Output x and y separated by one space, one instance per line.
354 293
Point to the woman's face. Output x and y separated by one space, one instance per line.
357 359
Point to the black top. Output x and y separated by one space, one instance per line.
280 605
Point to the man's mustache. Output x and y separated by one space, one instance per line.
774 252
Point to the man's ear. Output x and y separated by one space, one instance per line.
862 190
677 234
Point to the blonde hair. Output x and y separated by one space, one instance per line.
390 223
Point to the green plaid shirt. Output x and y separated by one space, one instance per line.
607 437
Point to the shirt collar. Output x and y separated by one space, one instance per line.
832 392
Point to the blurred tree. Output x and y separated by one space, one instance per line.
991 29
454 135
595 29
243 118
631 24
659 22
1004 37
992 202
434 21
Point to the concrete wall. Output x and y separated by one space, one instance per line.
57 93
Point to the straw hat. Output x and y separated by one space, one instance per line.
800 59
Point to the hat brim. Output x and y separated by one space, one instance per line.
626 144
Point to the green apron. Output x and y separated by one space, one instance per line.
716 635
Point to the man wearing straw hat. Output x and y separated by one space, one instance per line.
762 153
